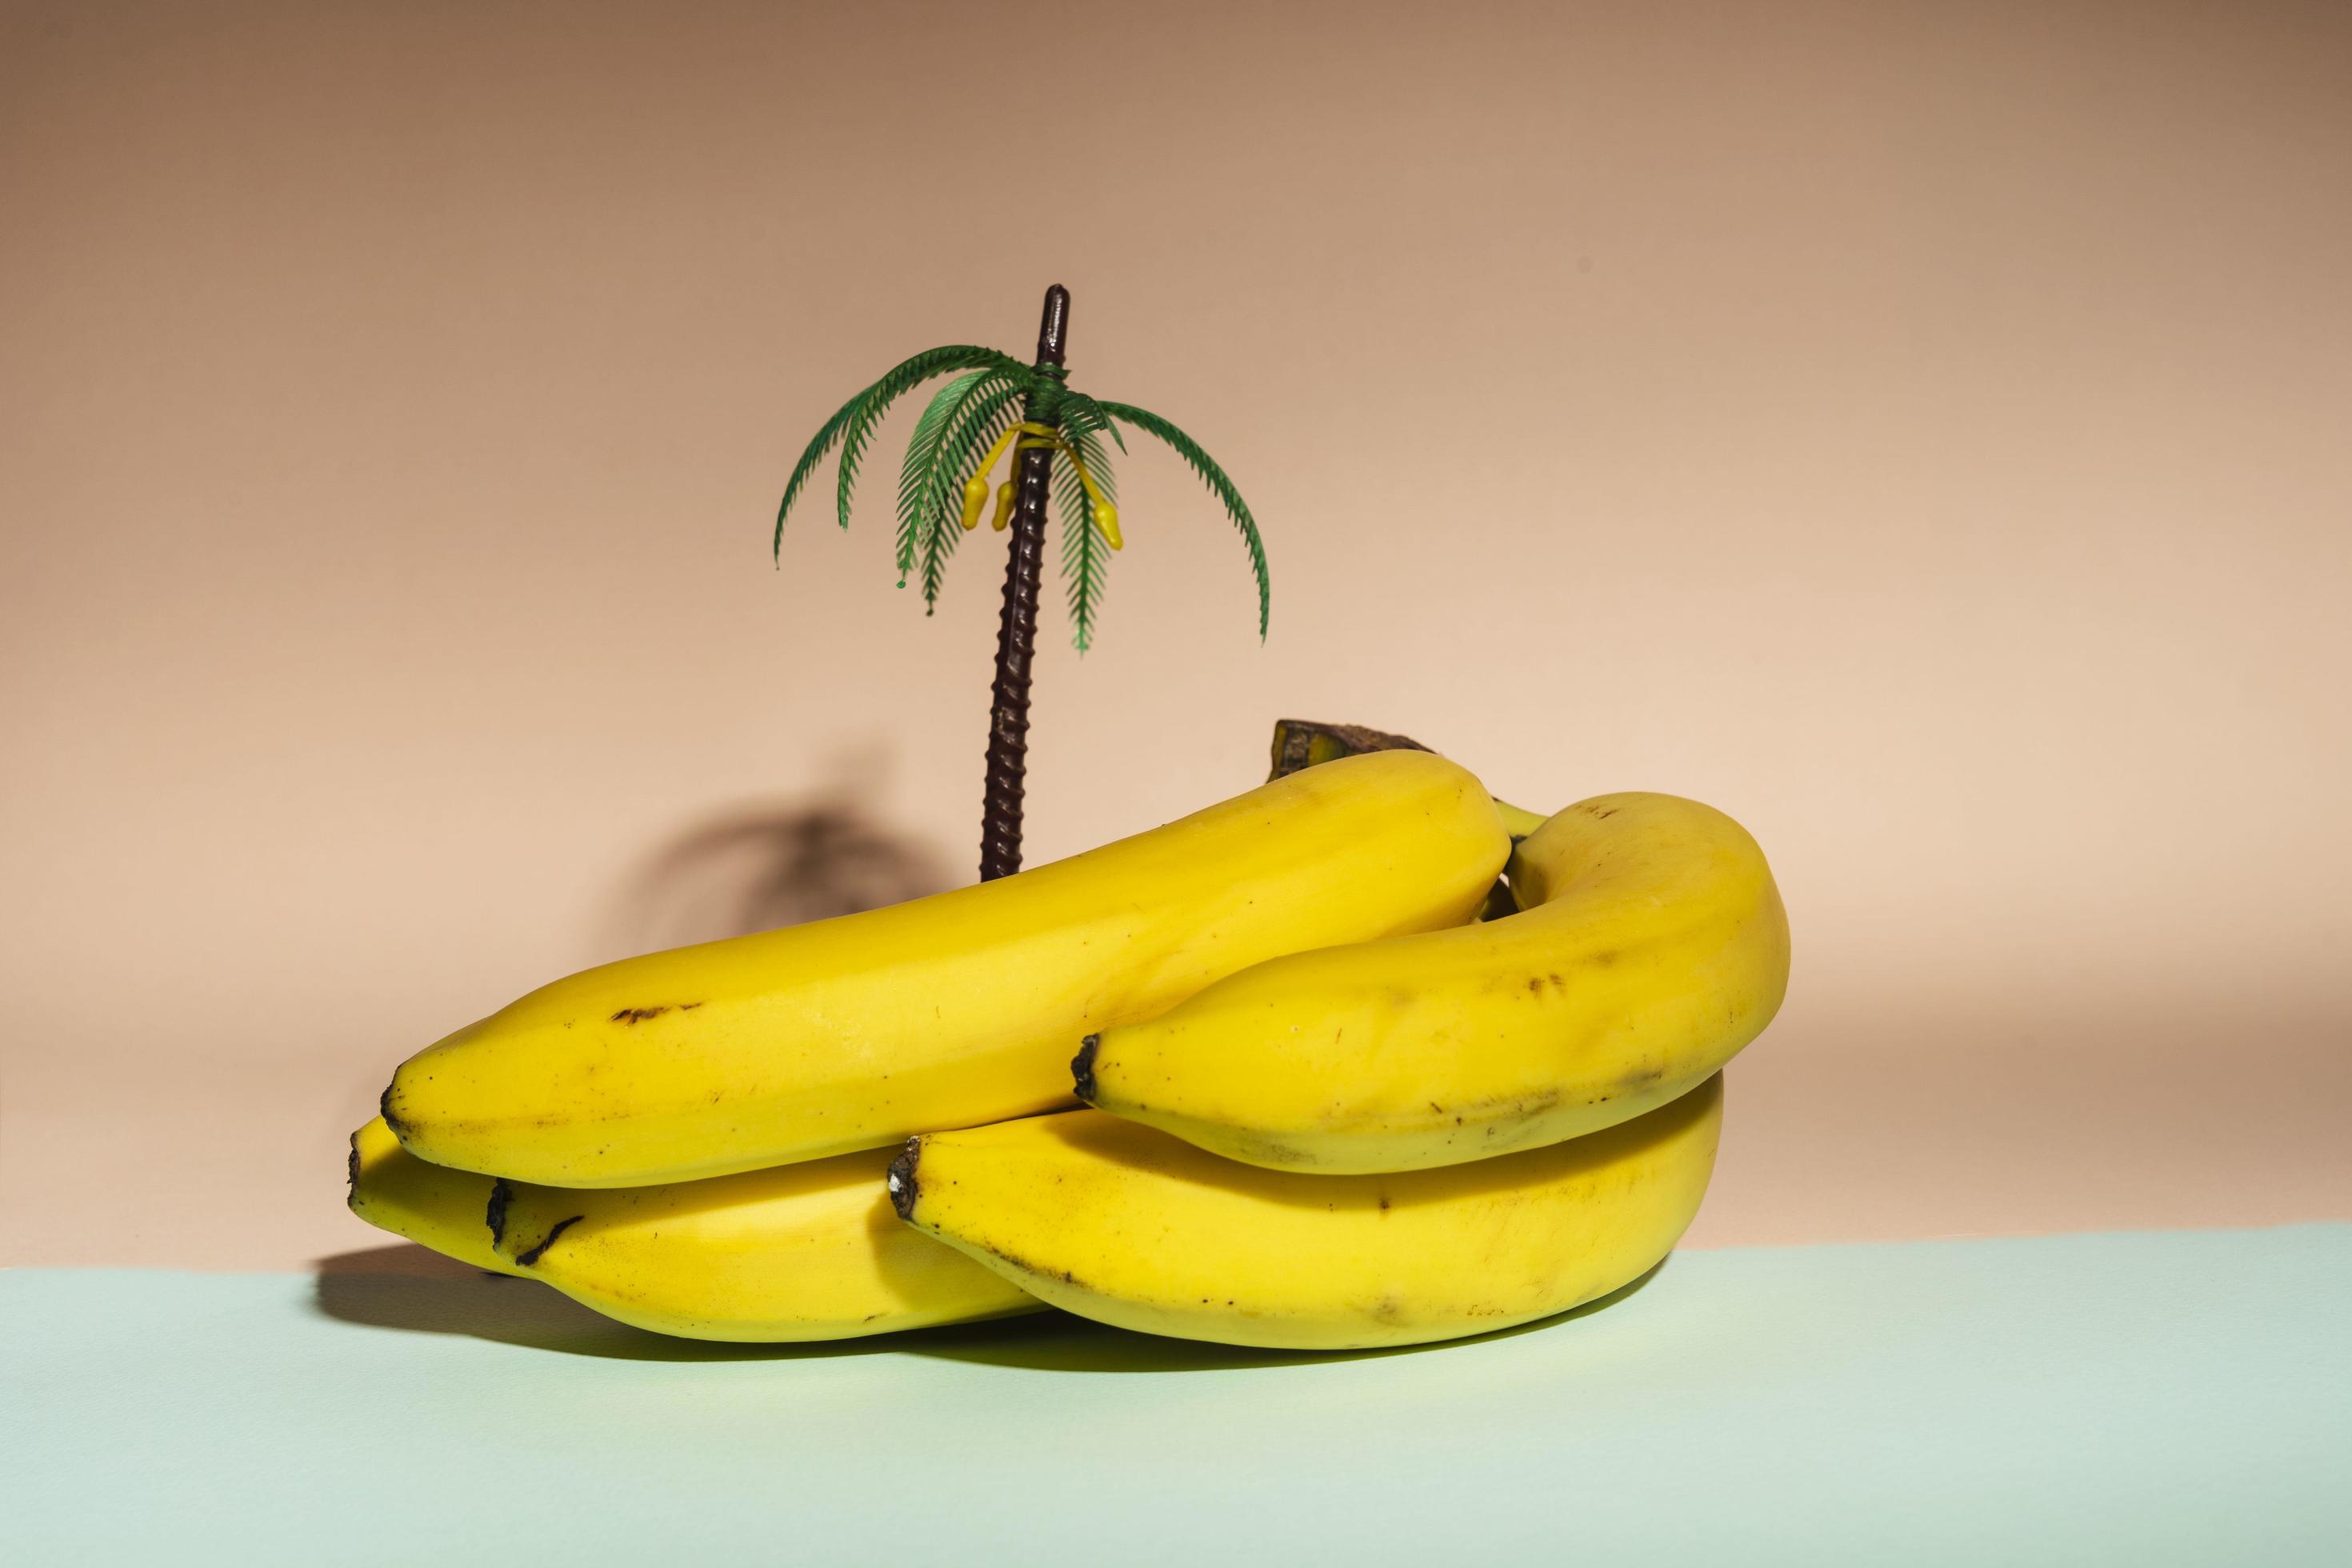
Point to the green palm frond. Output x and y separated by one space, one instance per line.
959 423
827 434
1086 553
852 427
1081 412
924 449
974 429
1219 485
1097 457
901 380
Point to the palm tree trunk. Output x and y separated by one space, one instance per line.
1016 633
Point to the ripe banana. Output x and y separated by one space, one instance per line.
1651 946
950 1011
810 1251
1124 1223
393 1190
806 1252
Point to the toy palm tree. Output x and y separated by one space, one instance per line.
1056 434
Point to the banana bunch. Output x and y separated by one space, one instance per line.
947 1011
1337 1085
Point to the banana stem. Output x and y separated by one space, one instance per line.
1517 820
1303 742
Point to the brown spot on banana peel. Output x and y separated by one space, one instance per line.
901 1179
502 1194
1526 1110
494 1215
1498 1117
1019 1264
638 1014
1023 1265
524 1260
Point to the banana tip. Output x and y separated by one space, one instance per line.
1082 1069
502 1194
352 1165
902 1178
384 1108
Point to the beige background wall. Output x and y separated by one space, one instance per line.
1920 429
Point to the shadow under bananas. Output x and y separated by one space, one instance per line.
410 1289
1059 1342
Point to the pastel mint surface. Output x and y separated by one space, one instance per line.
2170 1397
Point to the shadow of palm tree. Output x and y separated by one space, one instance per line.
756 868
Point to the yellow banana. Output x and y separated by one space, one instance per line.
804 1252
810 1251
1126 1224
1651 946
950 1011
393 1190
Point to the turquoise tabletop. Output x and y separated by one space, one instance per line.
2146 1398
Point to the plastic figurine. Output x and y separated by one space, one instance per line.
1057 435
